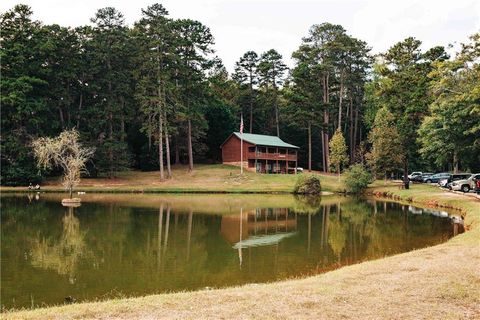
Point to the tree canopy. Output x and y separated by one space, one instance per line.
154 95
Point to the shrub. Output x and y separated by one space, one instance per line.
307 184
356 179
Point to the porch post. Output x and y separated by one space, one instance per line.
256 159
296 159
276 157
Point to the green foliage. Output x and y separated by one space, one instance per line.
401 85
307 184
356 179
338 151
126 89
449 136
387 153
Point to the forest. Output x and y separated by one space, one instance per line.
153 95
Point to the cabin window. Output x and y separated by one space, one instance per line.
282 151
271 150
251 149
291 151
261 149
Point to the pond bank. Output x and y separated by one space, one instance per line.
440 282
204 179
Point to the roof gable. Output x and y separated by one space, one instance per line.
263 140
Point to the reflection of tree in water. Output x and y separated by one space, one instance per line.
307 204
63 255
337 235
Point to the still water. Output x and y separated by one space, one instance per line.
127 245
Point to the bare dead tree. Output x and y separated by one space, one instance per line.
64 151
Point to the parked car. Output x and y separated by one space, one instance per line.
465 185
421 177
414 174
436 177
445 183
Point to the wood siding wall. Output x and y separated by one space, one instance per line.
231 150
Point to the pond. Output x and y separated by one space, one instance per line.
129 245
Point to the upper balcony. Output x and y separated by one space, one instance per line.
272 156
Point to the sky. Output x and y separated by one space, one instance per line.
242 25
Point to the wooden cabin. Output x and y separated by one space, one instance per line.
261 153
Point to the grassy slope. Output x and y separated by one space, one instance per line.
205 178
440 282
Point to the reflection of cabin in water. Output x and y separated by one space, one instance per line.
258 227
261 153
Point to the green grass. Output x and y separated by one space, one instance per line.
204 179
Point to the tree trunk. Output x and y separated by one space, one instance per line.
406 182
122 121
160 144
149 132
167 147
177 151
325 123
251 102
80 105
323 150
190 151
455 161
110 138
355 127
352 142
340 102
110 122
276 116
309 146
160 117
62 118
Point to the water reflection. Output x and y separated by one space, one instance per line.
140 245
63 254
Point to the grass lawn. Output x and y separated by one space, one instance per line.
205 178
440 282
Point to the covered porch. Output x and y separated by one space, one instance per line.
272 166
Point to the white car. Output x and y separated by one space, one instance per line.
414 174
465 185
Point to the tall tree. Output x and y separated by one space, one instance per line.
331 68
246 73
25 112
403 89
194 44
387 152
450 133
271 72
155 76
113 82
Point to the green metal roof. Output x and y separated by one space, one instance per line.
264 140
